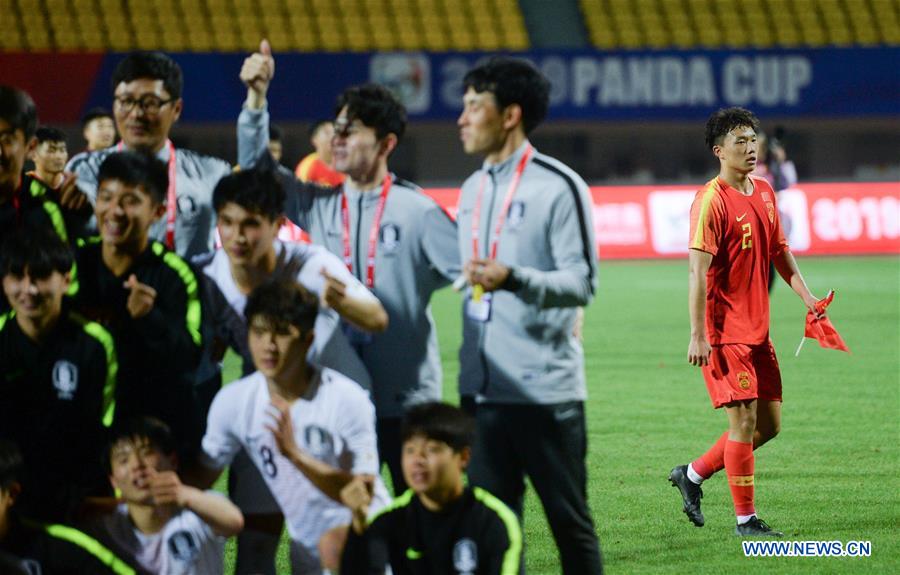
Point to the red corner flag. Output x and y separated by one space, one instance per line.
821 329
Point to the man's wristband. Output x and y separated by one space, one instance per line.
512 282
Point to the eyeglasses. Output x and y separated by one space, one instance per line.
149 104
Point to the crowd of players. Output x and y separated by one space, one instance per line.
114 421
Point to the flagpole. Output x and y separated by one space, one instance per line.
799 347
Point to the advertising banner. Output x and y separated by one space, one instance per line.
636 222
587 85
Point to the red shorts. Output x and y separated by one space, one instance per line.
739 372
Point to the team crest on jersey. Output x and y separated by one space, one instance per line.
770 208
187 207
744 379
65 379
516 215
183 547
390 237
465 556
318 441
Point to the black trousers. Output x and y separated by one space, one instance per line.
548 443
389 447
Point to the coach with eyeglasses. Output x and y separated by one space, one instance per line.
146 104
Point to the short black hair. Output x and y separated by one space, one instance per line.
725 120
18 109
513 81
136 169
93 114
49 134
376 107
254 190
275 133
12 466
155 65
39 251
440 422
282 302
155 431
314 127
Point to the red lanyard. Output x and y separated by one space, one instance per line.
510 192
373 232
171 200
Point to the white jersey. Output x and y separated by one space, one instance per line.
331 348
334 422
185 546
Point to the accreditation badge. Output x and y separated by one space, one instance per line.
478 304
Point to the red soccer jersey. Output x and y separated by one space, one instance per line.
742 233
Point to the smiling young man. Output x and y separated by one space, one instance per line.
309 431
525 232
439 526
58 374
147 103
735 233
161 524
396 240
24 201
249 208
147 296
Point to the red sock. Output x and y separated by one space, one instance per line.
739 467
713 460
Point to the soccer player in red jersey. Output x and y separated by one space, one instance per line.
735 233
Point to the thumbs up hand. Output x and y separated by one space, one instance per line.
258 70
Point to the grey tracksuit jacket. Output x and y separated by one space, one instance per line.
526 352
416 255
196 177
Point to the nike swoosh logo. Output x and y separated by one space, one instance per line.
742 216
412 554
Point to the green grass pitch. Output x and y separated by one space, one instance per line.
832 474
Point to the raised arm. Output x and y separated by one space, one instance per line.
253 124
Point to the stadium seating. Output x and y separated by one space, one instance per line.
686 24
238 25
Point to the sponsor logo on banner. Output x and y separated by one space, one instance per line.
670 220
620 223
407 75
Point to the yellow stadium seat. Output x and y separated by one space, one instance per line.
12 40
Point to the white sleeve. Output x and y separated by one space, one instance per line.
358 432
310 275
221 444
